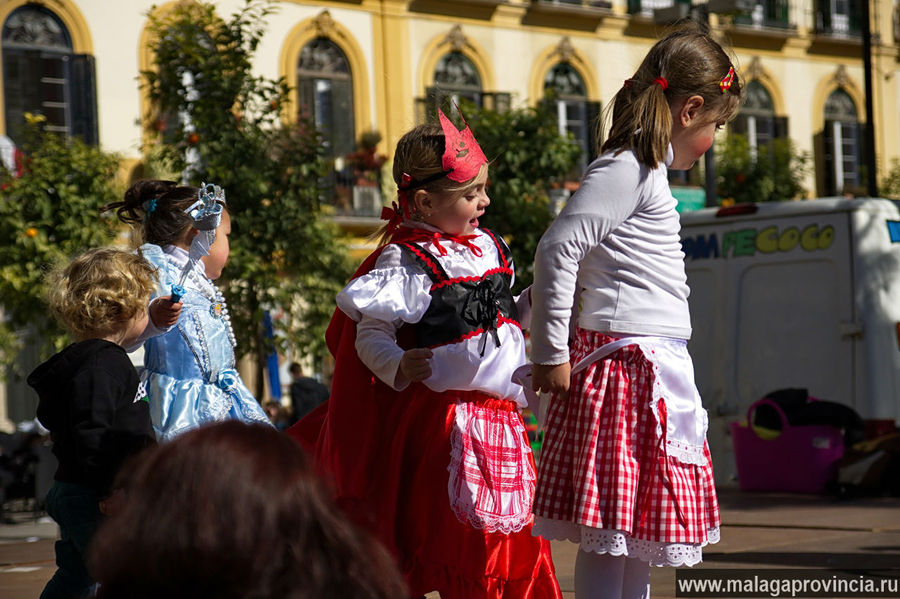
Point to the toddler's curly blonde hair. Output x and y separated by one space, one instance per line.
100 291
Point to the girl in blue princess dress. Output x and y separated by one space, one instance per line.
190 374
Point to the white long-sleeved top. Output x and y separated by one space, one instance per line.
617 242
397 291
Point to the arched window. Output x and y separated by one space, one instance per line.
565 87
842 139
455 78
757 118
325 90
41 74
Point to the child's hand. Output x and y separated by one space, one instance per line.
551 378
163 312
414 365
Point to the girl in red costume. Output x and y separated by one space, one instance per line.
422 435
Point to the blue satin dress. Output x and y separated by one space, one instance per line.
190 374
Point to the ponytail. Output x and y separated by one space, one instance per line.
642 121
134 206
158 206
685 63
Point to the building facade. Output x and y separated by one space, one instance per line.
380 65
364 66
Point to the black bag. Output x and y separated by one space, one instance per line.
802 409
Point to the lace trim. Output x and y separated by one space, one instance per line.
219 406
617 542
216 409
464 501
686 453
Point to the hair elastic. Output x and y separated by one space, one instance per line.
407 182
627 84
150 205
663 82
727 80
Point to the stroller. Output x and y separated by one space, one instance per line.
27 466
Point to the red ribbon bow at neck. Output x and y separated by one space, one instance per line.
409 234
436 236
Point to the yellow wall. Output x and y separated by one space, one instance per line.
394 45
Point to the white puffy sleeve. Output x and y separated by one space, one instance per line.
394 292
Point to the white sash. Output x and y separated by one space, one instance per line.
605 350
523 375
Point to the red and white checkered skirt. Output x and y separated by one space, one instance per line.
613 475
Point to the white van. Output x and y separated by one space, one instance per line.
794 294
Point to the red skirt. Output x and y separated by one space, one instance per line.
605 478
424 501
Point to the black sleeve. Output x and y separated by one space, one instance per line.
109 425
323 393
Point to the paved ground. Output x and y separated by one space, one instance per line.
759 531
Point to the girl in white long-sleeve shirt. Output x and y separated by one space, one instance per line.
625 470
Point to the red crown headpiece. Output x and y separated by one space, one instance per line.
462 154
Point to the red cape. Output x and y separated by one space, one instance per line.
344 433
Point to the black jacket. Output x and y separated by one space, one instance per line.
96 409
306 394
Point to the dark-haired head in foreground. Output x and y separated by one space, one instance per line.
235 511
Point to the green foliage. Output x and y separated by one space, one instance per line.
890 185
777 172
284 254
48 215
527 156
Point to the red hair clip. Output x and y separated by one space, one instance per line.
727 80
663 82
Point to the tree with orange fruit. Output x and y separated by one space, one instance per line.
773 172
48 212
215 121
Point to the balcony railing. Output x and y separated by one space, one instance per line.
844 22
426 108
352 193
766 14
645 8
606 4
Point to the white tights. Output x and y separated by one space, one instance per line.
605 576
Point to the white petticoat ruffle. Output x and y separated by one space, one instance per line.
620 543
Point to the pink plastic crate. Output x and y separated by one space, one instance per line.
801 459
